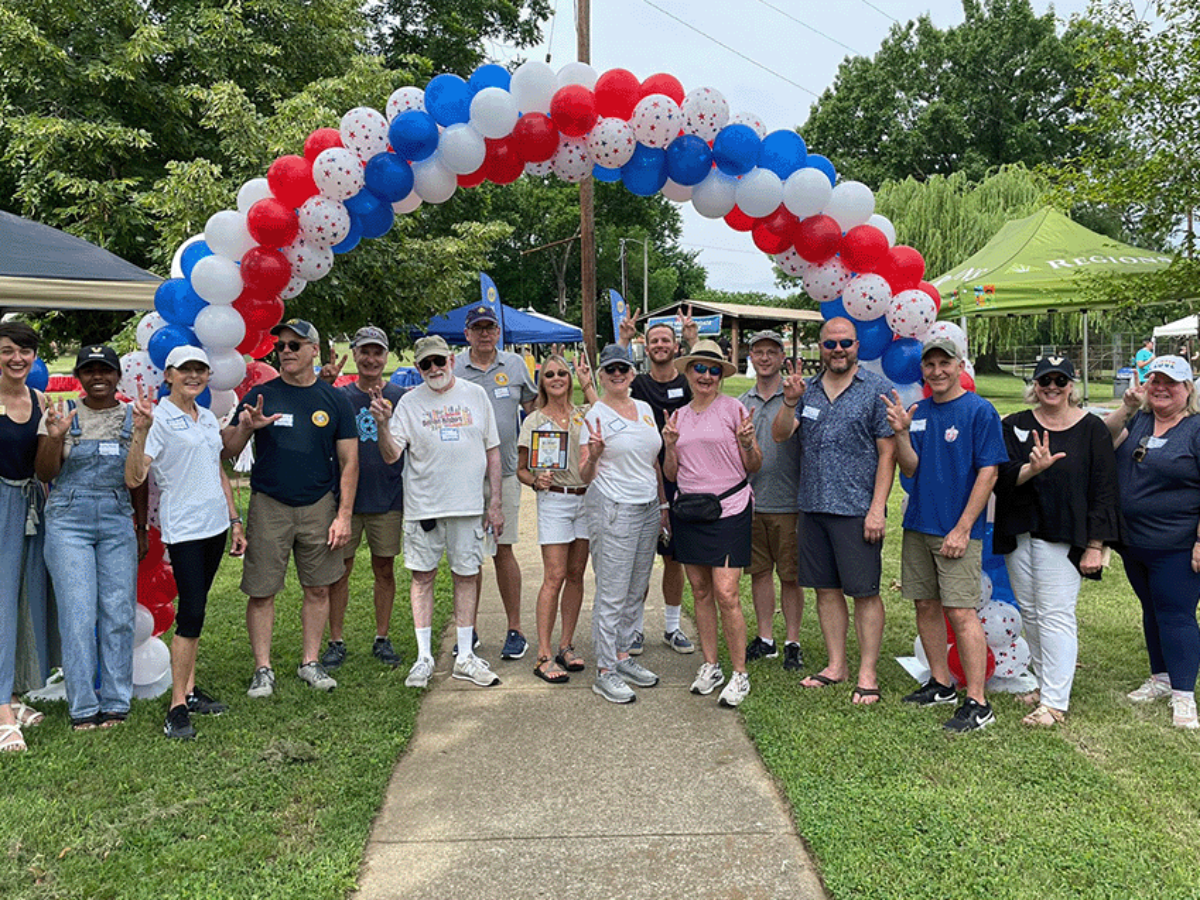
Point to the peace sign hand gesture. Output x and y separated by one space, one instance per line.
58 419
595 440
331 371
583 369
627 330
670 432
793 385
745 432
689 331
143 409
1040 458
381 407
898 417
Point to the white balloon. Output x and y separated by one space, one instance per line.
493 113
228 369
806 192
226 234
705 112
364 131
851 203
323 222
571 161
873 365
309 262
947 330
143 625
759 193
866 297
679 193
408 204
611 142
910 393
149 324
177 259
884 224
217 279
533 86
656 120
826 280
716 195
432 181
219 327
295 285
791 261
540 169
251 192
403 99
138 370
750 119
222 403
338 173
461 149
578 73
911 313
151 660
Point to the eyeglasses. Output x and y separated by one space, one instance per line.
619 368
294 346
844 343
485 326
1058 380
430 361
702 369
1139 452
560 374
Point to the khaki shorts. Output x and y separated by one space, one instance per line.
927 575
773 545
274 531
459 537
510 501
383 532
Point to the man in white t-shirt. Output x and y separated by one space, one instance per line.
447 429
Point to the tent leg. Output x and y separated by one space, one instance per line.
1085 356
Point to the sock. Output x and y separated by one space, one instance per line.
671 619
791 643
380 637
769 641
1162 678
424 639
1184 695
466 637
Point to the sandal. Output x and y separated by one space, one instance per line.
11 740
1033 698
1045 717
859 696
569 659
89 723
27 716
548 670
822 681
112 719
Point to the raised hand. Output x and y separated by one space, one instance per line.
627 330
793 385
583 369
670 432
58 419
1040 457
1133 397
745 431
689 331
253 417
595 439
898 417
143 409
381 407
331 371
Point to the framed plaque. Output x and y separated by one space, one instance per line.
548 450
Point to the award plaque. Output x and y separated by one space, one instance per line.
548 450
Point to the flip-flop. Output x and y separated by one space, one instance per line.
822 681
549 672
860 692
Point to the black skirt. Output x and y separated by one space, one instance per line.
724 543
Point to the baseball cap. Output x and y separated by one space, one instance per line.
306 330
481 313
431 345
97 353
945 344
613 353
1048 364
369 334
1174 367
186 353
768 335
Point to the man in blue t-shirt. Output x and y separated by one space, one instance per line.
949 448
1143 358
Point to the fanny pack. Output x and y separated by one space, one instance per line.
700 508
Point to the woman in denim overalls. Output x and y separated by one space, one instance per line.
92 549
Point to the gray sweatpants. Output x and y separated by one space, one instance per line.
623 538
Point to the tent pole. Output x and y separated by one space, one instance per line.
1085 356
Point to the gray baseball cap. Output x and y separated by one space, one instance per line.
369 334
768 335
947 346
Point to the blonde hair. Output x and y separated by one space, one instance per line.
1190 408
542 397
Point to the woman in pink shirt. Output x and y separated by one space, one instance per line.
710 449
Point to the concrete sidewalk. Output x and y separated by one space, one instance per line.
528 790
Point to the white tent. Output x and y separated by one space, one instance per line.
1185 327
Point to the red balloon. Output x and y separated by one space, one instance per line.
738 220
156 586
250 341
272 223
767 240
320 140
265 346
535 138
966 381
782 224
951 637
926 391
256 373
662 83
617 93
164 617
265 271
817 238
862 247
902 267
290 179
502 163
474 179
934 294
573 109
260 311
154 549
956 667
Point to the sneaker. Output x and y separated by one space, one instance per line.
420 673
678 641
315 675
179 724
635 673
201 704
383 651
612 688
1151 689
760 649
793 659
932 693
474 643
263 683
736 691
971 716
334 655
638 645
708 679
515 645
1183 712
472 668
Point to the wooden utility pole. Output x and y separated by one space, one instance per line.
587 220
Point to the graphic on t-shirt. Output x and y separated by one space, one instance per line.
501 379
951 435
447 417
320 418
368 429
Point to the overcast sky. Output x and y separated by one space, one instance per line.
769 57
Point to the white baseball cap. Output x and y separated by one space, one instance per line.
186 353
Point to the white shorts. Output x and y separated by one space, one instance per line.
459 537
561 518
510 502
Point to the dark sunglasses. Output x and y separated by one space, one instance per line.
617 368
1139 452
562 373
428 362
1057 379
702 369
844 343
294 346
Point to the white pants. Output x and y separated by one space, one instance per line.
1047 586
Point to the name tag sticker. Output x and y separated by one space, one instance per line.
1022 434
501 392
110 448
674 393
614 427
1155 442
449 435
179 424
917 425
284 421
810 412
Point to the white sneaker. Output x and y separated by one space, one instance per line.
1183 712
613 688
262 684
420 673
1151 689
314 674
708 679
635 673
736 691
472 668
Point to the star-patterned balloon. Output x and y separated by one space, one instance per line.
705 112
294 287
867 297
656 120
338 173
309 262
1012 661
751 119
138 370
911 313
571 161
323 222
1001 623
611 143
365 131
791 262
403 99
540 169
824 281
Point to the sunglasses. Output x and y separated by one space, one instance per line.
294 346
702 369
559 374
844 343
617 368
1139 452
430 361
1059 380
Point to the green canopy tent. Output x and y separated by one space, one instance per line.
1031 267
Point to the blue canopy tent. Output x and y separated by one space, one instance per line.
520 327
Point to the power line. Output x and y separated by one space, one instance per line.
882 12
804 24
720 249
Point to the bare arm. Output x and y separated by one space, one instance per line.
495 510
670 436
238 546
901 420
885 476
347 453
1116 420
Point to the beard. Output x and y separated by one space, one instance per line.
438 381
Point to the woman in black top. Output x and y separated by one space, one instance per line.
1056 508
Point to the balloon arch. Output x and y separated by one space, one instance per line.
230 283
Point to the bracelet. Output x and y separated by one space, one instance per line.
791 405
236 520
663 506
142 527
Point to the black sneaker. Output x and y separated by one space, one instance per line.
475 642
382 651
971 716
335 654
793 659
932 693
760 649
201 704
179 724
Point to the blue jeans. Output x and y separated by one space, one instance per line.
1168 590
91 551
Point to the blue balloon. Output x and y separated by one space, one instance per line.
413 134
834 309
490 75
689 160
176 302
817 161
646 172
204 398
362 203
873 337
902 361
448 100
606 175
735 149
166 339
39 375
353 236
783 152
389 177
191 255
377 222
